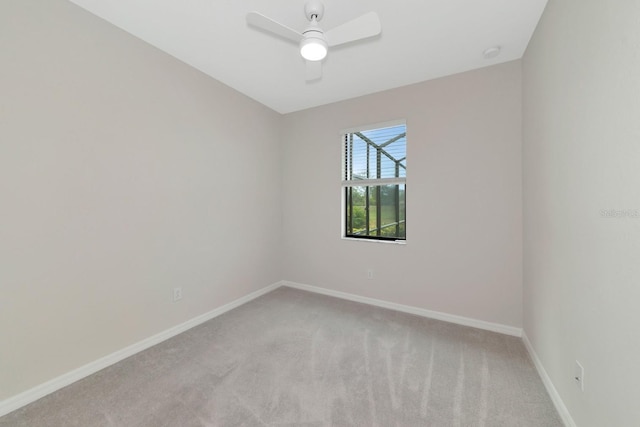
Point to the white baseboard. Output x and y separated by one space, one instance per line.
24 398
546 380
480 324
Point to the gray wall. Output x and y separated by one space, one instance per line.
123 173
463 254
582 157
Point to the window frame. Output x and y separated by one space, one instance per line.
378 183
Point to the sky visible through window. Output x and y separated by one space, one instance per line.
393 142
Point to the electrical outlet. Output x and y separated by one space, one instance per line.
177 294
578 375
369 274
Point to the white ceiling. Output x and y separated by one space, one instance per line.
420 40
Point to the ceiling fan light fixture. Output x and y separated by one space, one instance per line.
313 49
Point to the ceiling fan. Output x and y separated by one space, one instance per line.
314 41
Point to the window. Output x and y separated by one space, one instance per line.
374 182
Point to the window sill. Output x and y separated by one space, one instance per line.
387 242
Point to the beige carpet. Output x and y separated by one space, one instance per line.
293 358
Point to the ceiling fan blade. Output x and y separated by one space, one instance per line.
368 25
314 70
258 20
